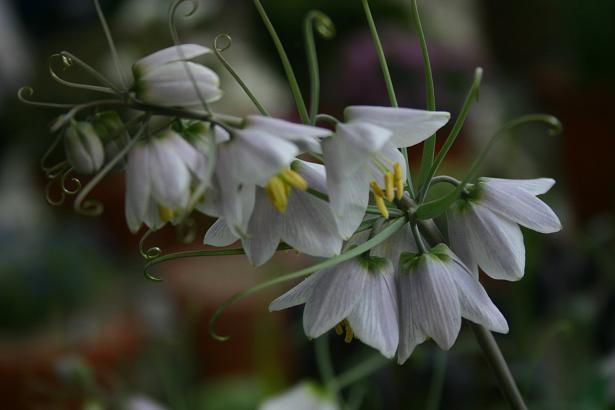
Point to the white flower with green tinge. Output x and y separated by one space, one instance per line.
357 296
307 223
304 396
435 291
484 227
159 176
84 149
163 78
364 152
258 153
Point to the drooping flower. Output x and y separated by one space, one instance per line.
304 396
357 296
164 78
84 150
159 175
258 154
364 154
306 224
435 291
484 225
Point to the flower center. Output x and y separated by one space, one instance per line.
393 188
278 188
342 327
166 214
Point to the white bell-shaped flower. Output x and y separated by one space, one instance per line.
364 153
304 396
83 147
164 78
484 228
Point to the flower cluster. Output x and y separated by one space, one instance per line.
330 188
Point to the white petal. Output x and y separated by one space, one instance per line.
351 147
459 237
476 305
264 230
314 174
387 156
496 243
410 332
333 297
409 126
194 160
255 156
301 397
297 295
392 248
434 300
236 202
519 206
170 177
219 234
374 318
306 137
349 198
536 186
137 186
309 226
167 55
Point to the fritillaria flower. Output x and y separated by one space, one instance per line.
364 154
163 78
304 396
484 225
84 149
357 296
159 176
306 223
435 291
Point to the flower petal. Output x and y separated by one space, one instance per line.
137 186
351 147
314 174
264 230
496 243
520 206
170 177
334 296
476 305
374 318
409 126
348 198
298 295
306 137
167 55
458 236
536 186
219 234
392 248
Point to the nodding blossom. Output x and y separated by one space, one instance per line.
84 150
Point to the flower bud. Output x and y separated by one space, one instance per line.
113 134
84 150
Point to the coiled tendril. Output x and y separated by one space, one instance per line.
74 180
67 62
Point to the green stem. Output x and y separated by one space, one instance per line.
429 146
360 371
323 359
114 54
288 69
437 381
497 362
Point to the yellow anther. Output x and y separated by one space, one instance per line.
382 207
166 214
399 188
349 333
397 170
294 179
339 330
277 193
376 189
388 186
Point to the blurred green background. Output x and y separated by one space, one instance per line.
80 326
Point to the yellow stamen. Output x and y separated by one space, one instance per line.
382 207
400 188
277 193
388 185
349 333
376 189
293 178
397 170
338 329
166 214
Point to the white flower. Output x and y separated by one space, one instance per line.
257 154
162 78
141 402
84 150
435 291
159 174
357 295
304 396
365 151
307 223
484 226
